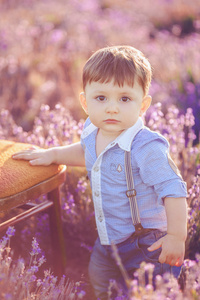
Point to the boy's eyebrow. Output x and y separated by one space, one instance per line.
123 93
104 92
100 92
126 93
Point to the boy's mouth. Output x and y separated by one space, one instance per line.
111 121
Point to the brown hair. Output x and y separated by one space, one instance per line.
120 63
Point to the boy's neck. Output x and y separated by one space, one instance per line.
103 139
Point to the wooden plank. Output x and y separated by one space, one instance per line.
57 237
26 214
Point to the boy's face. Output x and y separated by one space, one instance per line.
112 108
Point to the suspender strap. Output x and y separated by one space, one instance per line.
131 193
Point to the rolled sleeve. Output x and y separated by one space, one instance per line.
157 171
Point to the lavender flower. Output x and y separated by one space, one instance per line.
11 231
19 281
35 248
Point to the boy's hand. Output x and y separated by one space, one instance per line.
173 250
36 156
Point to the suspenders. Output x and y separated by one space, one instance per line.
131 193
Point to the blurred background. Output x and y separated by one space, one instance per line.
45 43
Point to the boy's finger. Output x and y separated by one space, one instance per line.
179 262
38 162
28 150
35 162
162 258
22 156
174 262
155 245
19 156
21 153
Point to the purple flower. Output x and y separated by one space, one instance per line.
35 248
81 294
34 269
41 260
10 231
8 296
189 263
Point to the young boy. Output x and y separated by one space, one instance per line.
116 81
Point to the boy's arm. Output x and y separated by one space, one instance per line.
71 155
173 244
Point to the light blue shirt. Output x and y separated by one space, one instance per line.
155 177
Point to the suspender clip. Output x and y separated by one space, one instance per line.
131 193
138 228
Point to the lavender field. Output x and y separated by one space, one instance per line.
43 47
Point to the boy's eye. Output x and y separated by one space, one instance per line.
125 99
101 98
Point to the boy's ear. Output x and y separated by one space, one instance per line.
83 101
146 102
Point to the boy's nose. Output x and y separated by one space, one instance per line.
112 107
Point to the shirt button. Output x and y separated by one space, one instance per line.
100 218
85 133
112 144
96 169
96 194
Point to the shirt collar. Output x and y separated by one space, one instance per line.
124 140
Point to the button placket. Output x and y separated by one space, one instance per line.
100 218
99 214
96 193
85 133
96 169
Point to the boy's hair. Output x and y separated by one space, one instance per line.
122 64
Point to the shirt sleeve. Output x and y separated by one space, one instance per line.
158 170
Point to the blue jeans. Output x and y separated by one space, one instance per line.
133 251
